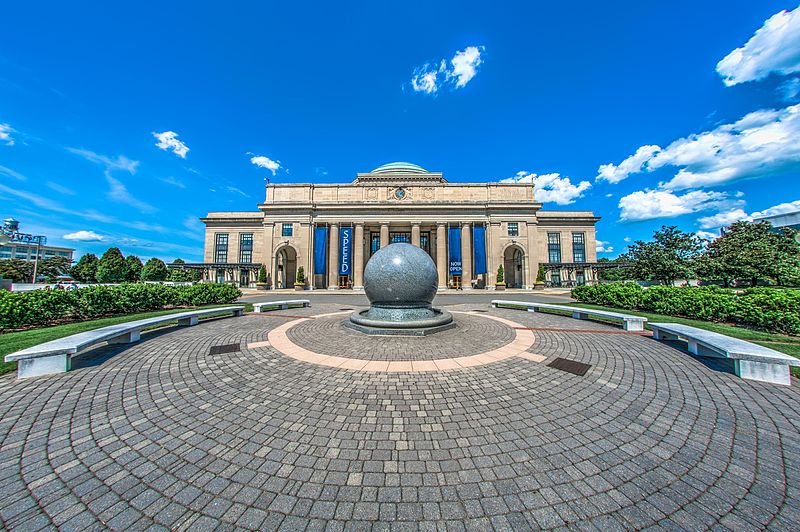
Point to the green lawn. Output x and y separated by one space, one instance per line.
15 341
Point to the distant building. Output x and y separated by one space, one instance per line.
23 246
789 219
468 229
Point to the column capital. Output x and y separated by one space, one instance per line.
358 224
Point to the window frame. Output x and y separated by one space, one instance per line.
553 247
221 248
579 246
515 231
289 226
248 249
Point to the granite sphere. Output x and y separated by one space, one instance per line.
400 275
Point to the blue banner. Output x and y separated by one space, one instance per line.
454 243
320 245
345 251
479 248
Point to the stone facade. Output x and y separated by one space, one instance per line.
401 202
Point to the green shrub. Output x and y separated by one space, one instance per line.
761 308
42 307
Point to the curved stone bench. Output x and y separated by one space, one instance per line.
751 361
629 322
55 356
280 305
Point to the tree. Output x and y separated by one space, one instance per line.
181 275
262 274
501 275
85 271
53 267
670 256
134 268
112 267
751 252
300 277
154 270
18 270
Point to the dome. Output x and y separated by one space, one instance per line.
399 168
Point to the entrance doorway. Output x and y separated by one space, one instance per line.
285 267
512 264
244 278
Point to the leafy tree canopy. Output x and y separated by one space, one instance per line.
154 270
85 271
112 267
669 256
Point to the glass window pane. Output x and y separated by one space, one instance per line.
513 229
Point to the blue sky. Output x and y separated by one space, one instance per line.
122 125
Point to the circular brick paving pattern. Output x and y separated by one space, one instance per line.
163 434
473 335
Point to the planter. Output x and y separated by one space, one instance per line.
538 286
262 286
500 286
299 287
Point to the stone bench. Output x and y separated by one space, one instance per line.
751 361
55 356
280 305
629 323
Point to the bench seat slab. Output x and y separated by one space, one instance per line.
36 367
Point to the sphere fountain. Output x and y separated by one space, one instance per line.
400 281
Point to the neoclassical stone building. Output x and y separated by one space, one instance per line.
331 230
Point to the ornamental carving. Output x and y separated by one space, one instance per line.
427 193
372 194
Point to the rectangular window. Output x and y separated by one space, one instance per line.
246 247
425 242
374 243
513 229
555 278
399 237
578 248
286 230
221 247
554 247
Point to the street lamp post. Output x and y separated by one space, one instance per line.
36 260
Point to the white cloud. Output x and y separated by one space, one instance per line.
5 134
117 190
170 180
723 219
237 191
551 187
168 140
602 247
84 236
266 162
774 48
456 74
706 235
762 143
11 173
61 189
633 164
789 89
626 239
782 208
650 204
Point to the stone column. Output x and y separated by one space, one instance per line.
358 257
466 256
533 255
333 257
441 254
268 253
384 235
415 234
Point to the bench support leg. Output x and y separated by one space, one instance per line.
531 309
759 371
188 322
579 315
238 312
36 367
283 306
661 335
127 338
633 325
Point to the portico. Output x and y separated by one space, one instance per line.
468 229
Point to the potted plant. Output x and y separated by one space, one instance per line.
300 279
501 279
539 279
262 283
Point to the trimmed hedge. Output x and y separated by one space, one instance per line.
42 307
770 309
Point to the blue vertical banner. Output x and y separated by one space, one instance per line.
479 248
320 245
345 251
454 242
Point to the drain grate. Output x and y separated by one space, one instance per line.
345 309
570 366
220 349
479 310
